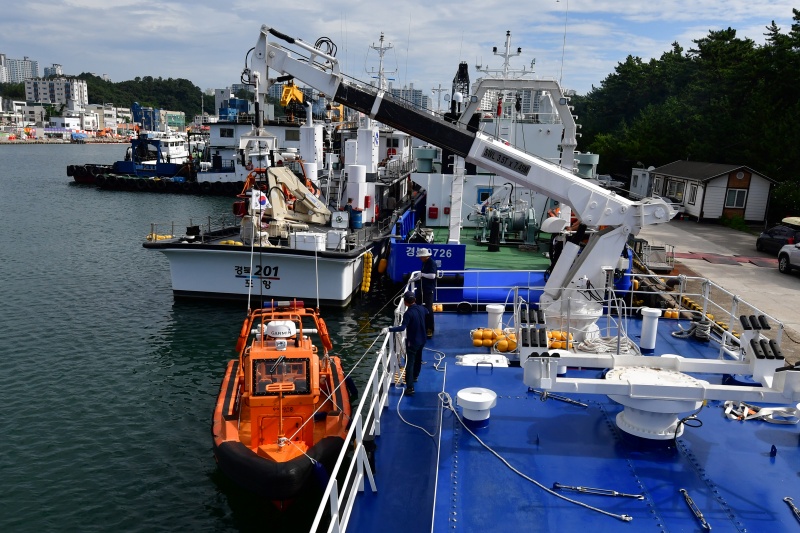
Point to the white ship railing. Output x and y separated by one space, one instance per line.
692 297
338 500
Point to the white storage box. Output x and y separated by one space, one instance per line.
336 240
303 240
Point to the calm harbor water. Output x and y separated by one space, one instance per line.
107 382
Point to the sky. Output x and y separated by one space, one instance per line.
578 42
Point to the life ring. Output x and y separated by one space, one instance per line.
324 337
249 165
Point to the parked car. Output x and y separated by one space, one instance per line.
789 258
773 239
605 180
673 203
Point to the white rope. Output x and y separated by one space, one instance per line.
448 404
607 345
700 330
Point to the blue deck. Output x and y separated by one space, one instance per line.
725 466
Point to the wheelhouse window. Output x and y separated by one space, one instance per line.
272 376
226 132
735 198
657 186
692 194
292 135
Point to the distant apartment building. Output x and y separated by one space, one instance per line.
17 70
106 115
415 96
56 90
55 71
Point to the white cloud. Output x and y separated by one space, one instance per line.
205 41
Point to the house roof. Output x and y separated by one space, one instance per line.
697 170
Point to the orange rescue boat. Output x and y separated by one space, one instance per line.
283 408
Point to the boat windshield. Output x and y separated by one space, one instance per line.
272 376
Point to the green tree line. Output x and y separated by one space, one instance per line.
174 94
725 100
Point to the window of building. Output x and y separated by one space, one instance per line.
675 189
692 194
735 198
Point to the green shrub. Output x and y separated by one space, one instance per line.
735 222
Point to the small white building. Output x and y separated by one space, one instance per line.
709 191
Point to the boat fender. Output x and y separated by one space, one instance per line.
324 337
352 390
382 264
321 475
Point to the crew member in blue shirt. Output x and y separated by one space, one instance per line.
427 283
414 326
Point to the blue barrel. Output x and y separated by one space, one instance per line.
355 219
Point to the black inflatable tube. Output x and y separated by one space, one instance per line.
271 480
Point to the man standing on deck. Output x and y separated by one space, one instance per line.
414 326
427 277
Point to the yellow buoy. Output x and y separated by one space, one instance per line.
502 345
382 264
477 342
488 342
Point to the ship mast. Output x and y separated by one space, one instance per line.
507 72
381 49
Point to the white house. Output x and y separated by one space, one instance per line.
709 191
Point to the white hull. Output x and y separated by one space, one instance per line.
227 274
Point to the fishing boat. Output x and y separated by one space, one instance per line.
553 400
283 406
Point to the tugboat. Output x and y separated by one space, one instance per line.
283 407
